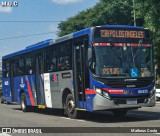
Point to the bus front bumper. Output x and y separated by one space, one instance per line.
101 103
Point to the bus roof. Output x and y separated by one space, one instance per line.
66 37
29 48
121 26
48 43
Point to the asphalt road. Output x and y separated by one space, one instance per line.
12 116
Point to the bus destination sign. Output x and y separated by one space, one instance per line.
104 33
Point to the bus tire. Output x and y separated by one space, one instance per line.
8 103
23 103
70 107
119 112
2 99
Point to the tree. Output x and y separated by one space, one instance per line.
149 9
104 12
119 12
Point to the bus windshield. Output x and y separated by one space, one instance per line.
119 61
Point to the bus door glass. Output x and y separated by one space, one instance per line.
79 74
39 79
12 71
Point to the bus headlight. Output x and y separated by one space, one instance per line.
99 91
102 93
106 95
152 92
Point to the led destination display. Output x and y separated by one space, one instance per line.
120 33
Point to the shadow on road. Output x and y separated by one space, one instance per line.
103 117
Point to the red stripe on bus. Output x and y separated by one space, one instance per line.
134 44
114 91
147 45
101 44
55 78
90 91
30 92
121 44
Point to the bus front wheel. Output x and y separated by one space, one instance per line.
2 99
70 107
119 112
24 106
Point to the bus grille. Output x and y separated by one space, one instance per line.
124 101
126 83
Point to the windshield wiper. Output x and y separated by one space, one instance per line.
119 57
99 72
137 51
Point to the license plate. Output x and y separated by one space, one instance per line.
132 101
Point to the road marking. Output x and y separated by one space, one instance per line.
19 110
81 120
156 133
141 114
65 118
4 134
73 119
158 102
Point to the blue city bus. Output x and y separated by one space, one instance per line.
100 68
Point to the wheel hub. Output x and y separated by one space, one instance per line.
22 104
71 106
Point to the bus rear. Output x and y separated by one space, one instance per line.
121 69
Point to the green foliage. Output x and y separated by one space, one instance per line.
151 14
104 12
118 12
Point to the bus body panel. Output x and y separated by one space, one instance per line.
101 103
95 101
27 85
87 31
55 83
18 81
30 90
6 89
128 92
89 102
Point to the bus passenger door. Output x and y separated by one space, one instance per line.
39 79
12 69
79 75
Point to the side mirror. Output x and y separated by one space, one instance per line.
94 65
89 54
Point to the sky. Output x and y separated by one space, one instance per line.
35 10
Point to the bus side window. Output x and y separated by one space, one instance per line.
52 67
65 63
6 69
20 68
6 73
29 66
65 56
51 61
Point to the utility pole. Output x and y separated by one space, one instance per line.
134 11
